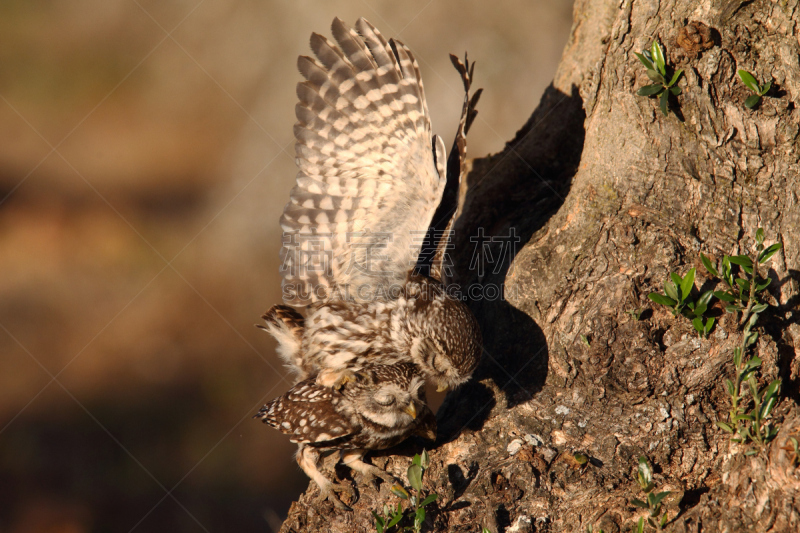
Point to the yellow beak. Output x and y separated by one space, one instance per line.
442 387
411 410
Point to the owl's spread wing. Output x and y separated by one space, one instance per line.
371 173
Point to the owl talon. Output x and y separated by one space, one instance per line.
353 459
329 493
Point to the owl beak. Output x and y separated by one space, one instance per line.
411 410
442 387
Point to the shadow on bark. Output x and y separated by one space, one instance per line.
510 196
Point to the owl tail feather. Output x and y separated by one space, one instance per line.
286 325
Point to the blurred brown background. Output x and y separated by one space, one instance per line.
146 152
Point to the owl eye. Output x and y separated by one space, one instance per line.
384 399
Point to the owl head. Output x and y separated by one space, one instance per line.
390 396
451 348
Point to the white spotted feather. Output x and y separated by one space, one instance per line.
371 174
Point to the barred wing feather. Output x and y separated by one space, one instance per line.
371 174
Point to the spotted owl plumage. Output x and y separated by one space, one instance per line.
371 176
375 408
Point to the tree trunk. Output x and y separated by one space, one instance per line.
606 197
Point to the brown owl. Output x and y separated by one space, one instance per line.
373 186
375 408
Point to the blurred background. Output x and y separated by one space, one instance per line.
146 153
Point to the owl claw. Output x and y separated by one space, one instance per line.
329 493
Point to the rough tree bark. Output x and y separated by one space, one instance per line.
608 197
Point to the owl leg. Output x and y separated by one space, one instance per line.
353 459
307 458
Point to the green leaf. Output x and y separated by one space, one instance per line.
646 62
708 326
741 260
658 57
420 517
425 461
676 279
734 308
757 309
645 472
675 77
731 388
663 520
724 426
663 102
765 88
399 491
709 266
661 299
702 302
772 388
763 285
748 80
759 235
431 498
751 452
725 296
395 519
639 503
660 496
751 339
755 362
650 90
687 284
698 325
764 256
415 477
675 90
751 322
751 101
743 284
656 77
767 406
640 526
416 460
378 522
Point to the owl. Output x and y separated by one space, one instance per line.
368 220
375 408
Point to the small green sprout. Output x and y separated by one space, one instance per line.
589 529
636 313
653 60
753 85
678 289
585 341
392 516
653 502
747 425
742 292
753 425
